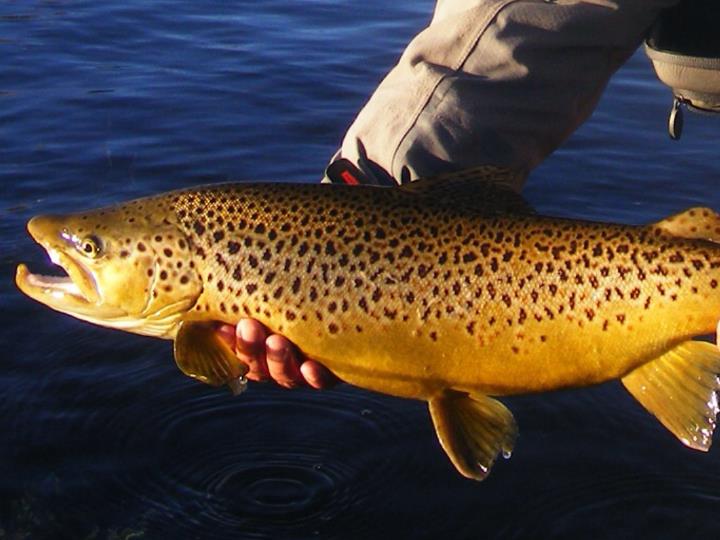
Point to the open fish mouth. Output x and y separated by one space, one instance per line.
76 289
77 292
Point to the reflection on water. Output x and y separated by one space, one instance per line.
104 438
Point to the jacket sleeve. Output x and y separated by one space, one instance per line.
501 82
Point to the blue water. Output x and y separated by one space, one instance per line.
102 437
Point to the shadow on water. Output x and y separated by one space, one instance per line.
104 438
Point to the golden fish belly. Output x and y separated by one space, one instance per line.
410 299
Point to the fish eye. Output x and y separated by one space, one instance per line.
90 246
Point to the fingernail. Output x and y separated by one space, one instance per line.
277 350
245 330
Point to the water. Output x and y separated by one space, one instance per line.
102 435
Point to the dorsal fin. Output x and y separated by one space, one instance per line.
486 190
699 223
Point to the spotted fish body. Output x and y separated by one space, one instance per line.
409 299
424 292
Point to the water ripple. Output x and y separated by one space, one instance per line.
276 461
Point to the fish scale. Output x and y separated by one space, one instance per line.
340 270
449 290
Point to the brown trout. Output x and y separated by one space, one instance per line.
448 290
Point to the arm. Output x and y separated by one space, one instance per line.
500 82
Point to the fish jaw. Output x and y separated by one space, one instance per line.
61 294
59 244
75 294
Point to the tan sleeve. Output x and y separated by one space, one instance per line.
502 82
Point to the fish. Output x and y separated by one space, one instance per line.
449 289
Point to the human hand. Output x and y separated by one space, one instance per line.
274 357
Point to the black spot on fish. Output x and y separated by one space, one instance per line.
406 252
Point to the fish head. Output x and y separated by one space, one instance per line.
128 267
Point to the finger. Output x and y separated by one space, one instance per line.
283 362
250 348
227 334
317 375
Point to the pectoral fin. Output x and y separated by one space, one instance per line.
698 222
200 353
473 430
681 389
